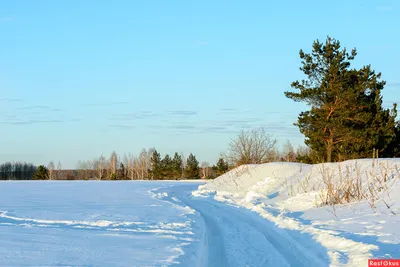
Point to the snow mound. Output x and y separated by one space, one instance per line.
352 208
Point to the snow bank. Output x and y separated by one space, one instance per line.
292 195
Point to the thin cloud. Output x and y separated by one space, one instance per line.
232 111
110 104
182 127
154 132
122 126
134 116
152 126
34 107
215 128
172 127
237 122
10 117
182 112
13 120
218 129
228 111
39 109
29 122
11 99
196 129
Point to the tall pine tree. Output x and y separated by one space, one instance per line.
167 167
156 165
41 173
192 170
222 167
346 119
177 165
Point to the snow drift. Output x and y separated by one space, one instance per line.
352 208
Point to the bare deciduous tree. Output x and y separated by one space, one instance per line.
136 168
125 160
205 170
113 165
131 166
288 152
84 169
59 170
150 152
100 165
250 147
51 169
143 163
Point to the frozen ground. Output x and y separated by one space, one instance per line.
256 215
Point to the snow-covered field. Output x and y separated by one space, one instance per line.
256 215
77 223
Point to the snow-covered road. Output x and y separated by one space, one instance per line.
239 237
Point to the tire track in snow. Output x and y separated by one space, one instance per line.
176 229
239 237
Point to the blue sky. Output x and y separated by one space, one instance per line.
83 78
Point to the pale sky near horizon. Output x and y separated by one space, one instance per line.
83 78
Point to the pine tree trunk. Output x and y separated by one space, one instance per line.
329 154
329 147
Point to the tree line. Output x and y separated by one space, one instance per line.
147 166
17 171
253 146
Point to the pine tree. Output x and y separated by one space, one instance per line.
121 172
41 173
395 145
156 166
346 118
166 165
177 165
222 167
192 170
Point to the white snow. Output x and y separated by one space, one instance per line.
290 195
94 223
256 215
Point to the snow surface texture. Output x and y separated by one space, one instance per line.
234 236
290 196
98 223
255 215
94 223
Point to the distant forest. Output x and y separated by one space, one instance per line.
150 165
